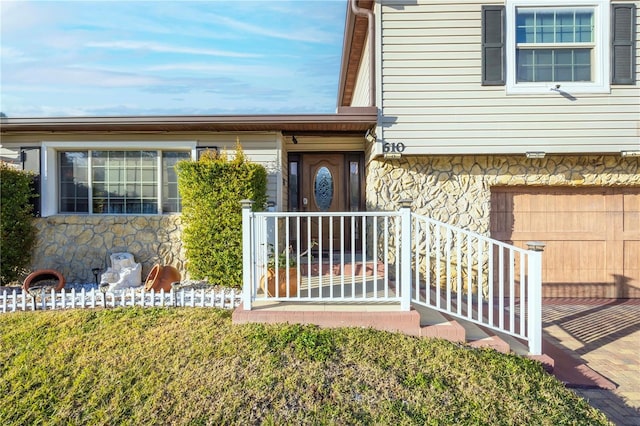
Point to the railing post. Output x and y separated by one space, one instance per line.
534 297
247 254
405 255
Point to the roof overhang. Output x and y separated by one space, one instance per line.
347 120
355 35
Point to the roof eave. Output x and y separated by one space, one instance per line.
352 48
347 119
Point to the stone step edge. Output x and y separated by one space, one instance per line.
407 322
450 330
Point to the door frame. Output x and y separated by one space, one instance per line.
294 199
295 182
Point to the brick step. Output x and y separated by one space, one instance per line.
434 324
479 337
440 325
420 321
380 317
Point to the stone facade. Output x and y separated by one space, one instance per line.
74 244
457 189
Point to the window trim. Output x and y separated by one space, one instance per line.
600 68
50 173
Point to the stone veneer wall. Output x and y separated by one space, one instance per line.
457 189
74 244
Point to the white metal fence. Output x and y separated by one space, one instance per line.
478 279
48 299
320 257
392 257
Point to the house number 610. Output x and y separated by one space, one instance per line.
393 147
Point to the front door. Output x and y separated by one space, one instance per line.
328 183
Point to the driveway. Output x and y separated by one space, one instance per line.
605 335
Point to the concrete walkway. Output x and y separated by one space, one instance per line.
605 335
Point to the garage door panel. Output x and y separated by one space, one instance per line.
631 203
501 222
631 222
631 272
556 236
592 237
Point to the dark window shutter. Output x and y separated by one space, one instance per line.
493 46
623 43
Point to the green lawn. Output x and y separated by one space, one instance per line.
192 366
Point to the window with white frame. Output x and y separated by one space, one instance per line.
554 45
557 45
563 46
119 181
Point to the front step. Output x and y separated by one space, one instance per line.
420 321
478 337
434 324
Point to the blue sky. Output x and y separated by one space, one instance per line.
106 58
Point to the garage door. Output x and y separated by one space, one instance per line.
592 236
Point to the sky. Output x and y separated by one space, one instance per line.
115 58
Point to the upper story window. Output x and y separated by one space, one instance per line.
554 45
551 43
119 182
573 46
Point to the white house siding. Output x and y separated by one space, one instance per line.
261 148
433 101
361 90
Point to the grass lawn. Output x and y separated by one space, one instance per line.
191 366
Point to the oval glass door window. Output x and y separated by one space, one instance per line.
323 189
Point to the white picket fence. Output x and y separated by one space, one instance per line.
17 300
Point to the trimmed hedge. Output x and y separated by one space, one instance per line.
211 190
16 222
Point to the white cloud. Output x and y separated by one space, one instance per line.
13 55
168 57
297 33
167 48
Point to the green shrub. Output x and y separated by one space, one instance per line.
211 190
16 222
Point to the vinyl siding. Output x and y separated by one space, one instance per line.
433 101
361 90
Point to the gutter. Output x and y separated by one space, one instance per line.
346 50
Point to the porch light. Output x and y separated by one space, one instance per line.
370 136
635 153
294 140
535 154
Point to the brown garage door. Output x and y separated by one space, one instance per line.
592 236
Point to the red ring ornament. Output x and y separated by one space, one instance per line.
41 275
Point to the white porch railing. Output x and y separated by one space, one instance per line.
321 257
392 257
17 300
478 279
